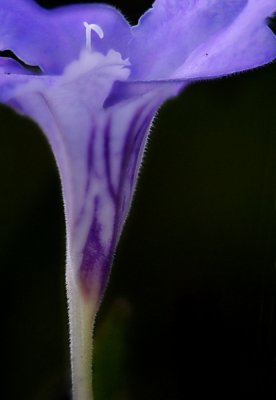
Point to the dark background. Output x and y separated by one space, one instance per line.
190 308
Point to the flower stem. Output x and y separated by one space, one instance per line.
82 313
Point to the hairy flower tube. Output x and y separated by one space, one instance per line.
93 84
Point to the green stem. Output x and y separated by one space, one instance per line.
82 313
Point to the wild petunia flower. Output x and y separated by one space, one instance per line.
93 84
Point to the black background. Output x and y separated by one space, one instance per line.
190 308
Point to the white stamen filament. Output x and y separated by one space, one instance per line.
89 28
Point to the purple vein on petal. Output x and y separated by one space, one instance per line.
89 172
90 158
97 254
138 142
107 132
135 135
135 127
94 255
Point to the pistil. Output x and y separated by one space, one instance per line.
89 28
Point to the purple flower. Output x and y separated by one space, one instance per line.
93 84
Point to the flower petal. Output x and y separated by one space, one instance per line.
248 43
117 143
64 107
202 38
52 39
98 150
10 66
